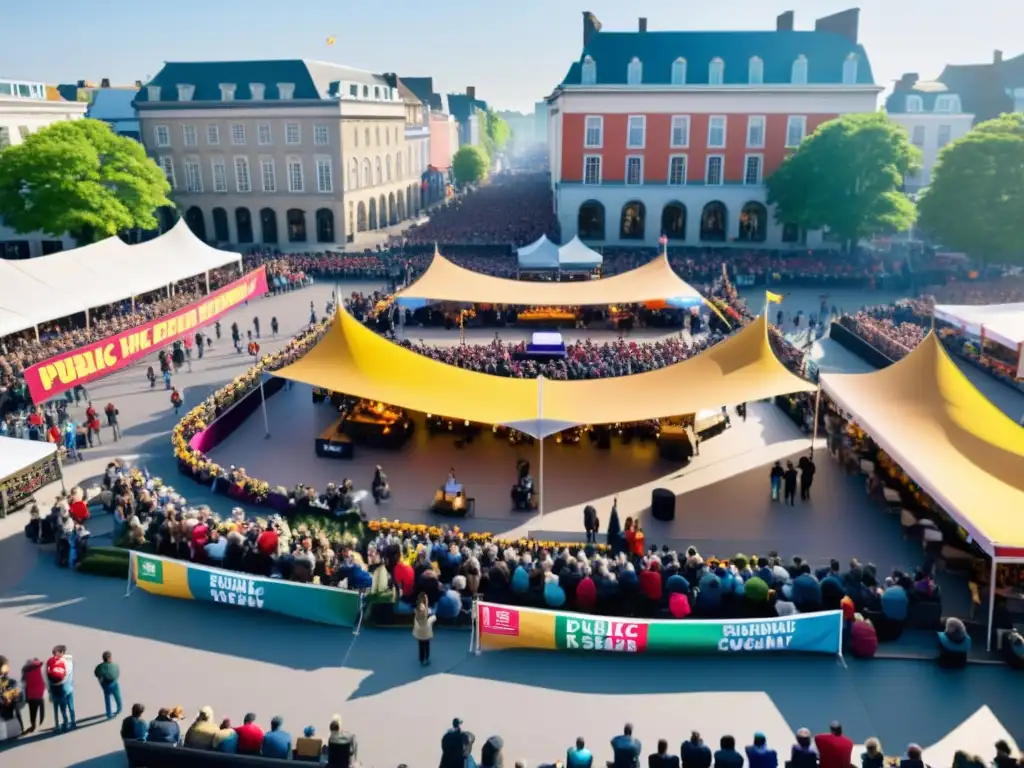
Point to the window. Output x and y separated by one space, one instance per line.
387 138
193 176
377 134
635 133
188 135
257 91
680 136
264 136
796 129
237 134
679 71
716 72
798 75
376 92
945 134
220 175
324 178
588 75
713 175
24 132
5 137
635 72
677 170
321 135
755 71
947 103
914 103
296 182
292 134
592 169
152 93
755 132
387 168
918 136
243 181
634 170
285 91
162 136
167 166
268 174
213 134
850 70
186 92
595 131
716 132
752 170
227 91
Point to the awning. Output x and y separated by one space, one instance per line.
542 254
576 255
17 455
355 360
1003 323
954 443
445 281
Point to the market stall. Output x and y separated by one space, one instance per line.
574 256
540 256
25 467
1001 324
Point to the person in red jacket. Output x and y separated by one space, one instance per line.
33 685
834 749
650 581
250 736
175 400
586 594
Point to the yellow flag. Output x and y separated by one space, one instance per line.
330 41
773 298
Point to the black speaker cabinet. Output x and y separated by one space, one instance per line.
663 505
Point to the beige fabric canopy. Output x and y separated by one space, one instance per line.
446 281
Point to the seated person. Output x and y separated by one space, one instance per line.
579 756
277 743
954 645
661 758
625 749
341 745
200 734
308 747
913 758
803 755
759 755
164 730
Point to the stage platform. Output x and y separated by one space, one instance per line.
332 443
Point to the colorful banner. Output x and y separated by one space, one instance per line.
188 581
101 358
502 626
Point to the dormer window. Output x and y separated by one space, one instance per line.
850 70
716 72
257 91
755 71
635 72
798 75
153 93
353 91
227 91
589 72
376 93
679 71
366 91
914 103
394 94
186 92
947 102
286 91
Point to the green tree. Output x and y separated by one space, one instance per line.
846 177
975 201
79 177
496 132
470 165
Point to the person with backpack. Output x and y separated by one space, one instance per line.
60 679
112 414
176 400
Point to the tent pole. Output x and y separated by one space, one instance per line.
263 402
817 410
133 305
207 282
36 327
981 346
540 429
1020 359
87 319
991 603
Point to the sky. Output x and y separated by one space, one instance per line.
514 53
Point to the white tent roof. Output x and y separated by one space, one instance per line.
64 283
576 255
1002 322
17 454
542 254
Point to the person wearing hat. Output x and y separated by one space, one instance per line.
1004 756
201 733
802 755
759 755
308 747
454 744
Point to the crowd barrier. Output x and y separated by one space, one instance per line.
508 627
859 346
188 581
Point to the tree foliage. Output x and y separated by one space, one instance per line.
846 177
470 165
496 132
79 177
975 202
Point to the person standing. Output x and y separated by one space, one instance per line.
109 674
60 678
256 326
590 523
273 326
423 628
200 344
112 414
33 686
807 470
216 329
789 484
175 400
236 338
776 476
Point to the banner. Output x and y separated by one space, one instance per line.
101 358
189 581
503 626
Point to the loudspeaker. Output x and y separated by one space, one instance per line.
663 504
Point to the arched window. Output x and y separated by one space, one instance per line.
850 70
947 102
361 217
588 74
243 225
378 173
635 72
373 213
712 222
196 220
716 72
679 71
633 221
590 221
914 103
798 75
399 170
754 223
296 221
325 225
353 175
673 221
367 174
755 71
388 164
220 225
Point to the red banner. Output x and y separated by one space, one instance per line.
101 358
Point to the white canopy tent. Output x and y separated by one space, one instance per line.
574 255
17 456
50 287
999 322
542 254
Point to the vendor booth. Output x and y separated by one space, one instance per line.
1002 324
25 467
540 256
574 256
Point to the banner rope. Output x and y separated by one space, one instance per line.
355 632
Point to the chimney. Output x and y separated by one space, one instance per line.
591 26
845 24
997 57
471 92
105 82
784 22
138 85
642 25
908 81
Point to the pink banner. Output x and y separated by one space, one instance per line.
101 358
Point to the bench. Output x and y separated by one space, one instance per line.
142 754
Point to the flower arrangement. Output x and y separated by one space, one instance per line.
405 530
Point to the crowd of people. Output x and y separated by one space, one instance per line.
887 328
